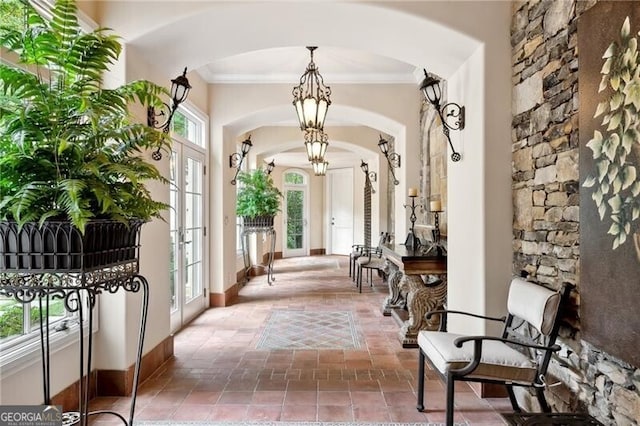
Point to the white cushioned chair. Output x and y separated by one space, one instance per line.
358 250
519 357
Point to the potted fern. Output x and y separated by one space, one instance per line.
258 199
71 154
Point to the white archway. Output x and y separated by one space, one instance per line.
465 42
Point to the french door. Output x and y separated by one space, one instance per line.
187 219
295 221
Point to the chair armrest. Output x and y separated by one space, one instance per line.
477 350
445 312
372 251
460 340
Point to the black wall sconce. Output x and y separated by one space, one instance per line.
270 166
236 159
161 118
370 176
451 114
392 158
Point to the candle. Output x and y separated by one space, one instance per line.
413 192
435 206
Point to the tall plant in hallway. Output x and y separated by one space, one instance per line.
70 150
258 199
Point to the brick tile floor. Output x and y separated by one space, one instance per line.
218 374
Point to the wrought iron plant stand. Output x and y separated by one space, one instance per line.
57 262
262 225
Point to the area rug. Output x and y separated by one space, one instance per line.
306 264
288 329
272 423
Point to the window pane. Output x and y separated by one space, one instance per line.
295 218
188 127
12 14
56 312
294 178
179 124
11 318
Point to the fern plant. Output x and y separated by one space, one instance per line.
257 196
69 148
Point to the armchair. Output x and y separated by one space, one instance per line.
519 357
358 250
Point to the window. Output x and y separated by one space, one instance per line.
12 14
20 323
188 126
238 218
294 178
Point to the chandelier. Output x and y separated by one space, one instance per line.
320 167
315 141
311 97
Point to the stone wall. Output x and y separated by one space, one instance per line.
433 172
546 200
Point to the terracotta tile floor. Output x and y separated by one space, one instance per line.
218 374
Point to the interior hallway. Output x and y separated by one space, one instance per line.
219 374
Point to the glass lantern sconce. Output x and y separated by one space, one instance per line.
270 166
369 176
392 158
236 159
451 114
161 118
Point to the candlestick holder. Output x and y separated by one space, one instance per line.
436 248
412 241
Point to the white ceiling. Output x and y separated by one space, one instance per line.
286 65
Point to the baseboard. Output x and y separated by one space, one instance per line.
488 390
265 258
68 397
116 382
120 383
317 252
219 300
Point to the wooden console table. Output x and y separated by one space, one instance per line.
417 284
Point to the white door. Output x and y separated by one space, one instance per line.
340 196
188 297
295 221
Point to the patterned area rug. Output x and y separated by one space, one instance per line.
310 330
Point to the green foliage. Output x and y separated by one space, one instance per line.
616 149
12 317
257 195
69 149
12 13
295 212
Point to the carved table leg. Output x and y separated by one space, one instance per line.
394 299
421 298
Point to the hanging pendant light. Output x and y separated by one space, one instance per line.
311 97
320 167
316 142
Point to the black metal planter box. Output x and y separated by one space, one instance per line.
60 247
257 222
